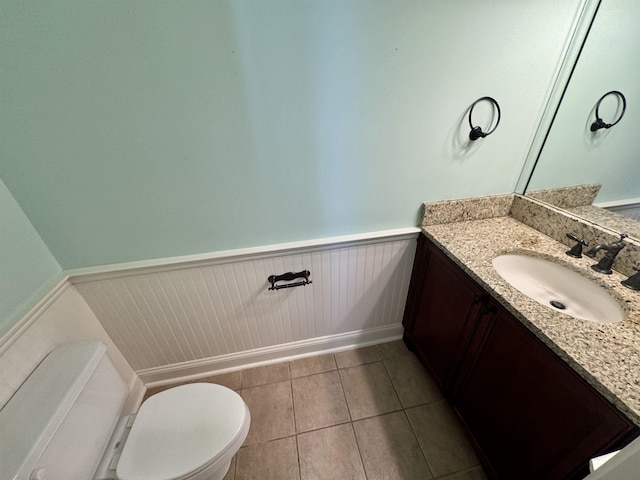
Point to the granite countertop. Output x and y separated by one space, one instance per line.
606 355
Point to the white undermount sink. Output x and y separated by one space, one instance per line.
558 288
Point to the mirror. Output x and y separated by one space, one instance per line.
567 153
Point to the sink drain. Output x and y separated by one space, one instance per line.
557 304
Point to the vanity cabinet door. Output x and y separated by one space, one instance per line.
528 413
442 308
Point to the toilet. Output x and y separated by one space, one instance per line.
65 423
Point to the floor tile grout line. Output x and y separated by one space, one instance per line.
398 410
393 384
315 373
288 362
326 426
344 396
451 475
298 457
404 411
424 455
355 436
293 407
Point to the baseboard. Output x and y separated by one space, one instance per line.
193 370
627 202
631 211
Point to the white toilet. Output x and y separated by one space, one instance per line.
64 423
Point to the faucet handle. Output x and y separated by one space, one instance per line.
633 282
576 250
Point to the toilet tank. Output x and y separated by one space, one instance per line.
58 423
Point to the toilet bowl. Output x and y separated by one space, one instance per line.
65 423
190 432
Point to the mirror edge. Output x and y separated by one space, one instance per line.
580 32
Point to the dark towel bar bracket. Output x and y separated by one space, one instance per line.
476 132
287 277
599 123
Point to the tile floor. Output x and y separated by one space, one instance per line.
367 414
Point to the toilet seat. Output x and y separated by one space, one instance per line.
182 431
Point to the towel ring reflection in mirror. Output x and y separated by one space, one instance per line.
476 132
599 123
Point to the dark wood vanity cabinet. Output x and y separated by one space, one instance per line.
438 331
530 415
527 413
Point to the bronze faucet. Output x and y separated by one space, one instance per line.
633 282
605 264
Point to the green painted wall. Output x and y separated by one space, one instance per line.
152 128
27 267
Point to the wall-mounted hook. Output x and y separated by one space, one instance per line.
599 123
476 132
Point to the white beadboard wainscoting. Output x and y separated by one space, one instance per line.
201 315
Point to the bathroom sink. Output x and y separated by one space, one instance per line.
558 288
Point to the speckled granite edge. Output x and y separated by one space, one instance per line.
566 197
452 211
556 223
606 355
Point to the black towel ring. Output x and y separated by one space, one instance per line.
476 132
598 124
